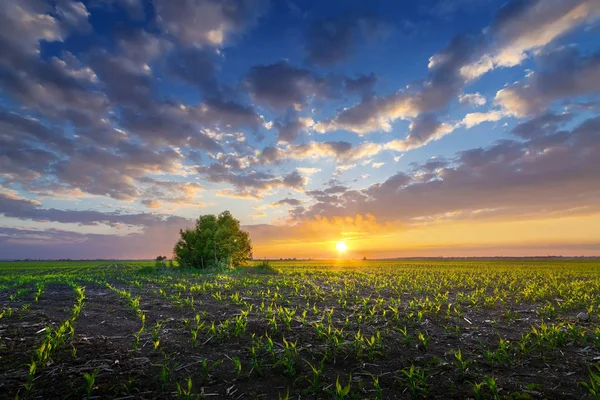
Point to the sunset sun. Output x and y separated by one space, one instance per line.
341 247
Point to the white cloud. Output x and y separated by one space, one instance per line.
308 171
472 119
473 99
530 29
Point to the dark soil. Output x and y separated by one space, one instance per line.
104 337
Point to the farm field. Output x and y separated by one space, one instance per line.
339 329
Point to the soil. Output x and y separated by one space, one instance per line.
104 337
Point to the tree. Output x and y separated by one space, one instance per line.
160 261
214 241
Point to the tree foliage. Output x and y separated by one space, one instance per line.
215 241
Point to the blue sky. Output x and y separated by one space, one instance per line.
403 128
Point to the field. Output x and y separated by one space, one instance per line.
501 329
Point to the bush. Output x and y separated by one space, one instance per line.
215 242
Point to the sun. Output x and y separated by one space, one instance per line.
341 247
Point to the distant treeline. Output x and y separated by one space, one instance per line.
312 259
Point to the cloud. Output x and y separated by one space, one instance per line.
140 46
341 151
525 26
286 202
156 238
178 124
372 114
472 119
542 125
152 204
73 14
363 85
292 125
377 113
472 99
24 25
22 208
206 22
196 67
562 74
281 85
423 130
521 26
512 177
308 170
333 40
159 192
114 173
253 184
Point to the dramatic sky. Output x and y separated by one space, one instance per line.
404 128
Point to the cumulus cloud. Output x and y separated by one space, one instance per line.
542 125
286 202
423 130
73 14
206 22
472 119
281 85
562 74
363 85
511 177
291 126
196 67
472 99
525 26
376 113
341 151
157 193
253 184
520 27
14 206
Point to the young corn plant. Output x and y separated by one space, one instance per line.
593 386
290 357
205 370
185 392
341 392
39 291
491 384
478 390
90 380
166 371
378 389
415 380
315 380
461 364
237 367
374 346
423 341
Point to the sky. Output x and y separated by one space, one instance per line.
402 128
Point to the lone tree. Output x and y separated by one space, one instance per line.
215 241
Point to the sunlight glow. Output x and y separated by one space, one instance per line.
341 247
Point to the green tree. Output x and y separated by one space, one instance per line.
214 241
